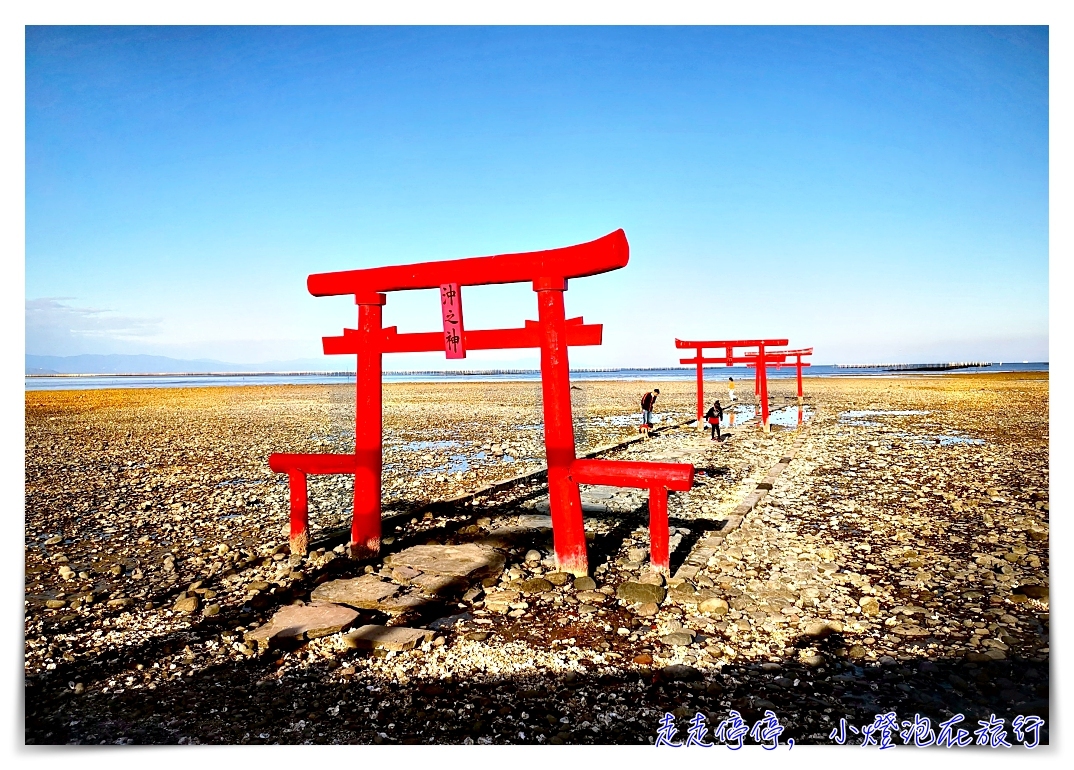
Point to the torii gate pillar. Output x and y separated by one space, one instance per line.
565 502
368 424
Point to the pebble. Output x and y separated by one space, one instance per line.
535 586
638 554
640 593
679 672
647 609
651 578
186 604
591 597
713 605
820 629
585 583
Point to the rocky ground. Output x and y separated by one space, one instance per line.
899 563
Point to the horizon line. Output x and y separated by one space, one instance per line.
466 372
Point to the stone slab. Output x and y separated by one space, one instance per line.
467 560
365 592
501 598
396 605
404 575
524 522
436 585
304 620
396 638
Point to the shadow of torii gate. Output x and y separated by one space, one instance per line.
553 333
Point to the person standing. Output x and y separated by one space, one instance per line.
648 401
714 415
731 389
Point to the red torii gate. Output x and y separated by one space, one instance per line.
730 359
798 363
552 333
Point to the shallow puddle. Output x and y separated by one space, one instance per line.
738 414
791 416
852 414
419 446
947 440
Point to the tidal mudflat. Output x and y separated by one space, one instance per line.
899 562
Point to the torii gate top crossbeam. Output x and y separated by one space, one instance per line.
729 361
769 353
727 343
610 252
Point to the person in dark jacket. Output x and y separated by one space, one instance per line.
713 416
648 401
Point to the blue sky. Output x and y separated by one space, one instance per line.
878 193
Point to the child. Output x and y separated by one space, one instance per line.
714 415
731 389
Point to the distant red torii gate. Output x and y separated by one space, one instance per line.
798 363
552 333
730 359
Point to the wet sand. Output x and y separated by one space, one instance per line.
919 536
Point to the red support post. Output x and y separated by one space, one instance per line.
700 391
762 386
565 503
368 423
659 548
299 511
798 366
658 478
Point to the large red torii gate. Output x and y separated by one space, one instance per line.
730 359
798 363
552 333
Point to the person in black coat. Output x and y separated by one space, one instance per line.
713 416
648 401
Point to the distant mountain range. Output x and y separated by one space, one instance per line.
123 364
